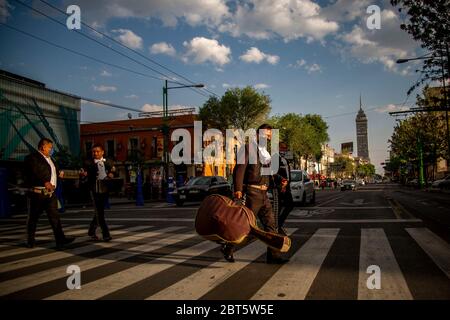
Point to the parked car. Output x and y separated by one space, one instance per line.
199 188
413 183
442 183
302 187
348 185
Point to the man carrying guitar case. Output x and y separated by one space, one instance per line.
251 185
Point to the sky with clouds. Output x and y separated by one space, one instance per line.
309 56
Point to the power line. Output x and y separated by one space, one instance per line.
78 53
100 43
125 46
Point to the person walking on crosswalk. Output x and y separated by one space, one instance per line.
98 171
42 178
250 182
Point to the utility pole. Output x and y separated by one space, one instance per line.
165 130
420 147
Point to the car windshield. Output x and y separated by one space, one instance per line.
199 181
296 176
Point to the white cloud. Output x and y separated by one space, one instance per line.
103 88
163 48
289 19
310 68
257 19
129 38
383 46
156 107
170 12
203 50
257 56
391 108
105 73
5 8
314 68
346 10
151 107
132 96
298 63
226 85
261 86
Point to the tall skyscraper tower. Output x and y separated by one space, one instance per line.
361 133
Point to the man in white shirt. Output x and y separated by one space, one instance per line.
98 170
42 178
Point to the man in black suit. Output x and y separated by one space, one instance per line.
98 171
285 203
249 181
42 175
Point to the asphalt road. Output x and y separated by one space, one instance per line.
337 244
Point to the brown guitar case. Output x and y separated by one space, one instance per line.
222 220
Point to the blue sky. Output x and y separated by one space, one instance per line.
309 56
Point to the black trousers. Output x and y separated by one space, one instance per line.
258 201
286 204
39 203
99 215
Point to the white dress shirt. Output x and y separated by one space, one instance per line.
264 155
101 168
54 177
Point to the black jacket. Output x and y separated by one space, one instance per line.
247 173
284 172
92 170
37 170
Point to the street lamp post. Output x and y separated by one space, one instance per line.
165 128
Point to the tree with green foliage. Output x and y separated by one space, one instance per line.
427 128
304 135
239 108
366 170
428 22
344 166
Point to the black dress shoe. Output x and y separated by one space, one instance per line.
64 242
227 253
277 260
107 238
30 244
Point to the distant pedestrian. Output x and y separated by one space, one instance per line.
98 171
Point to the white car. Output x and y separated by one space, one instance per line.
442 183
302 187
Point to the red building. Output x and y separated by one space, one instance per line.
140 141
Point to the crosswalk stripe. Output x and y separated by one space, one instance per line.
435 247
199 283
11 228
376 250
293 280
15 250
45 234
23 228
21 283
120 280
22 263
